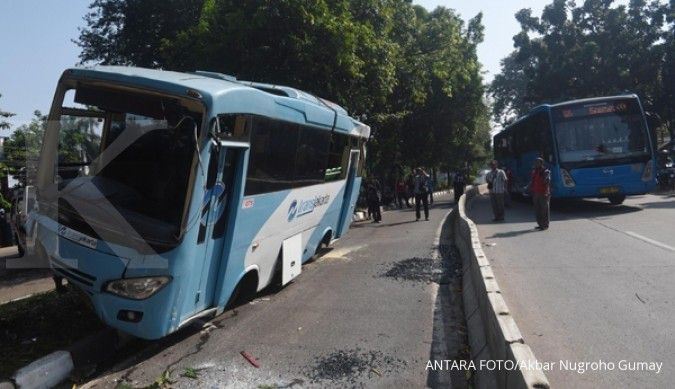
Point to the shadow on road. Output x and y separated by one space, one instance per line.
511 234
660 204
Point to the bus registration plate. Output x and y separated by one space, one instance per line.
609 190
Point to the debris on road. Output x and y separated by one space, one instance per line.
351 365
641 300
427 270
190 373
250 359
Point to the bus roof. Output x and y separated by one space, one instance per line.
218 90
588 100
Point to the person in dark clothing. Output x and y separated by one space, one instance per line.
410 184
458 185
373 198
421 190
402 193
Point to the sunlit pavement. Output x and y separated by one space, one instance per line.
597 286
361 314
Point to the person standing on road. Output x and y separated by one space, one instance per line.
458 184
430 190
421 188
496 181
540 186
373 199
402 193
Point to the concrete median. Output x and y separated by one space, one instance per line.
493 332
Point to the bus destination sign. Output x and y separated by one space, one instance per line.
594 109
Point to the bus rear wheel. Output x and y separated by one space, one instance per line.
617 200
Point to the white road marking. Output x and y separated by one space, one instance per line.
650 241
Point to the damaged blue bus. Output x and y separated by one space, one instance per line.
165 196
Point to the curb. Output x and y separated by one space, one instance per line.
493 332
54 368
360 216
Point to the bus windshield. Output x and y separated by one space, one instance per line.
125 157
601 131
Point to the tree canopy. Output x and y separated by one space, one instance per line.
4 124
593 49
413 75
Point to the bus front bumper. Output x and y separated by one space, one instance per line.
604 190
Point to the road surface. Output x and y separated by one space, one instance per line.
597 286
372 312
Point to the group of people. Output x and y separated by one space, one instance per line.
418 186
539 186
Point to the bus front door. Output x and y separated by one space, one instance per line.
350 196
224 167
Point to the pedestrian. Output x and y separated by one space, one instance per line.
458 185
373 197
402 193
496 182
540 187
410 183
421 188
430 190
509 187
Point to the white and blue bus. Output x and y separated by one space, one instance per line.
596 148
163 196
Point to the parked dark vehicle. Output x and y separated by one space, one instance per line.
666 178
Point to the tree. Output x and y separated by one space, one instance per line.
5 125
581 51
413 75
22 148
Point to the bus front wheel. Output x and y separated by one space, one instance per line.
616 200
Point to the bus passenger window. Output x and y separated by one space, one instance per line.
334 169
235 127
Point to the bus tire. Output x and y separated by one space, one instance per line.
616 200
244 291
325 242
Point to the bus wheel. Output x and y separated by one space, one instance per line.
323 245
245 290
616 200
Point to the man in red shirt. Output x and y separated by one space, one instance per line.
540 186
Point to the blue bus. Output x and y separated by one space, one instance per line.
595 148
165 196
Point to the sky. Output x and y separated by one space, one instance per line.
36 41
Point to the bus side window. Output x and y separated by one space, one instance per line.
235 127
545 137
336 169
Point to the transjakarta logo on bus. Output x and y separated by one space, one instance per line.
306 206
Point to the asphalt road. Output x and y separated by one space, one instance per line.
369 313
597 286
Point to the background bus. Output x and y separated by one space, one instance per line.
598 147
163 196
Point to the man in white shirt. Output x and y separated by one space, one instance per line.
496 180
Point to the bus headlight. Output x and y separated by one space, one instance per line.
648 174
567 179
136 288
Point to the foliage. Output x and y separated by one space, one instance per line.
4 125
594 49
411 74
22 148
